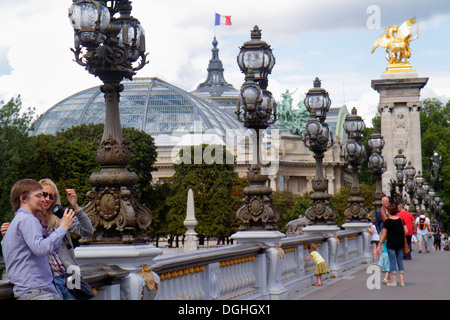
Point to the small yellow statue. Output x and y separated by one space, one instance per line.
396 41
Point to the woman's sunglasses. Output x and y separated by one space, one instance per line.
49 195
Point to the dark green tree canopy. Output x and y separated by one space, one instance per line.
68 158
212 184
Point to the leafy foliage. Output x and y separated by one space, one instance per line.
435 129
339 201
68 158
13 147
213 186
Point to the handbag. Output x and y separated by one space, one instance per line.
85 291
405 247
405 243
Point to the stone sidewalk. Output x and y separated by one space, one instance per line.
427 277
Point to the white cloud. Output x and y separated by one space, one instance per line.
37 37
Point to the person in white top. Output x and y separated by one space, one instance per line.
374 239
423 230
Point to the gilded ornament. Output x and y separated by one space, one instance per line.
396 40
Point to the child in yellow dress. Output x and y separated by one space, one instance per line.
321 266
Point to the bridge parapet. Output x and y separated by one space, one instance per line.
245 271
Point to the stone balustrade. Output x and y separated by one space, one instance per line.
250 271
242 271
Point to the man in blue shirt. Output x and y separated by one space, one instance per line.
25 250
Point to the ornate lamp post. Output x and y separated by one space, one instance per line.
430 199
437 207
426 198
410 185
419 191
355 154
256 56
377 166
111 48
441 207
318 139
434 170
259 112
399 162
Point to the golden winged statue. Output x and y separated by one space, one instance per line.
396 41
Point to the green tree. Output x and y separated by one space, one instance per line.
212 184
283 201
68 158
300 206
435 130
290 206
339 201
14 144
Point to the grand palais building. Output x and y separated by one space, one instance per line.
176 119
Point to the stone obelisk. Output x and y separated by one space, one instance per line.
191 240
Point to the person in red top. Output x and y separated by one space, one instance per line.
408 219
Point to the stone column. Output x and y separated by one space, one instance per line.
399 107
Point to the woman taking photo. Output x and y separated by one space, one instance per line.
394 234
63 257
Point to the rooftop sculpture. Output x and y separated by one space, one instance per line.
396 40
293 120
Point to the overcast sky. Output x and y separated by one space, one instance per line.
325 38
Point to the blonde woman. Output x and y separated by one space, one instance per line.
64 256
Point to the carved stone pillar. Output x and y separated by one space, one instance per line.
399 107
114 208
257 213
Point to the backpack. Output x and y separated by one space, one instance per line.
422 223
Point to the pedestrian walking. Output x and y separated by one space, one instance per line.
374 239
384 263
408 219
437 237
394 234
423 230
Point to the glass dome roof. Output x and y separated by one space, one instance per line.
149 104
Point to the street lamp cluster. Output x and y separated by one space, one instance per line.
377 166
418 190
259 111
111 48
107 45
355 154
110 44
318 139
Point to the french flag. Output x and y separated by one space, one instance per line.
223 20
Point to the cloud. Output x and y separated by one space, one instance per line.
38 64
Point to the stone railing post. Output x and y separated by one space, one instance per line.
274 255
333 243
